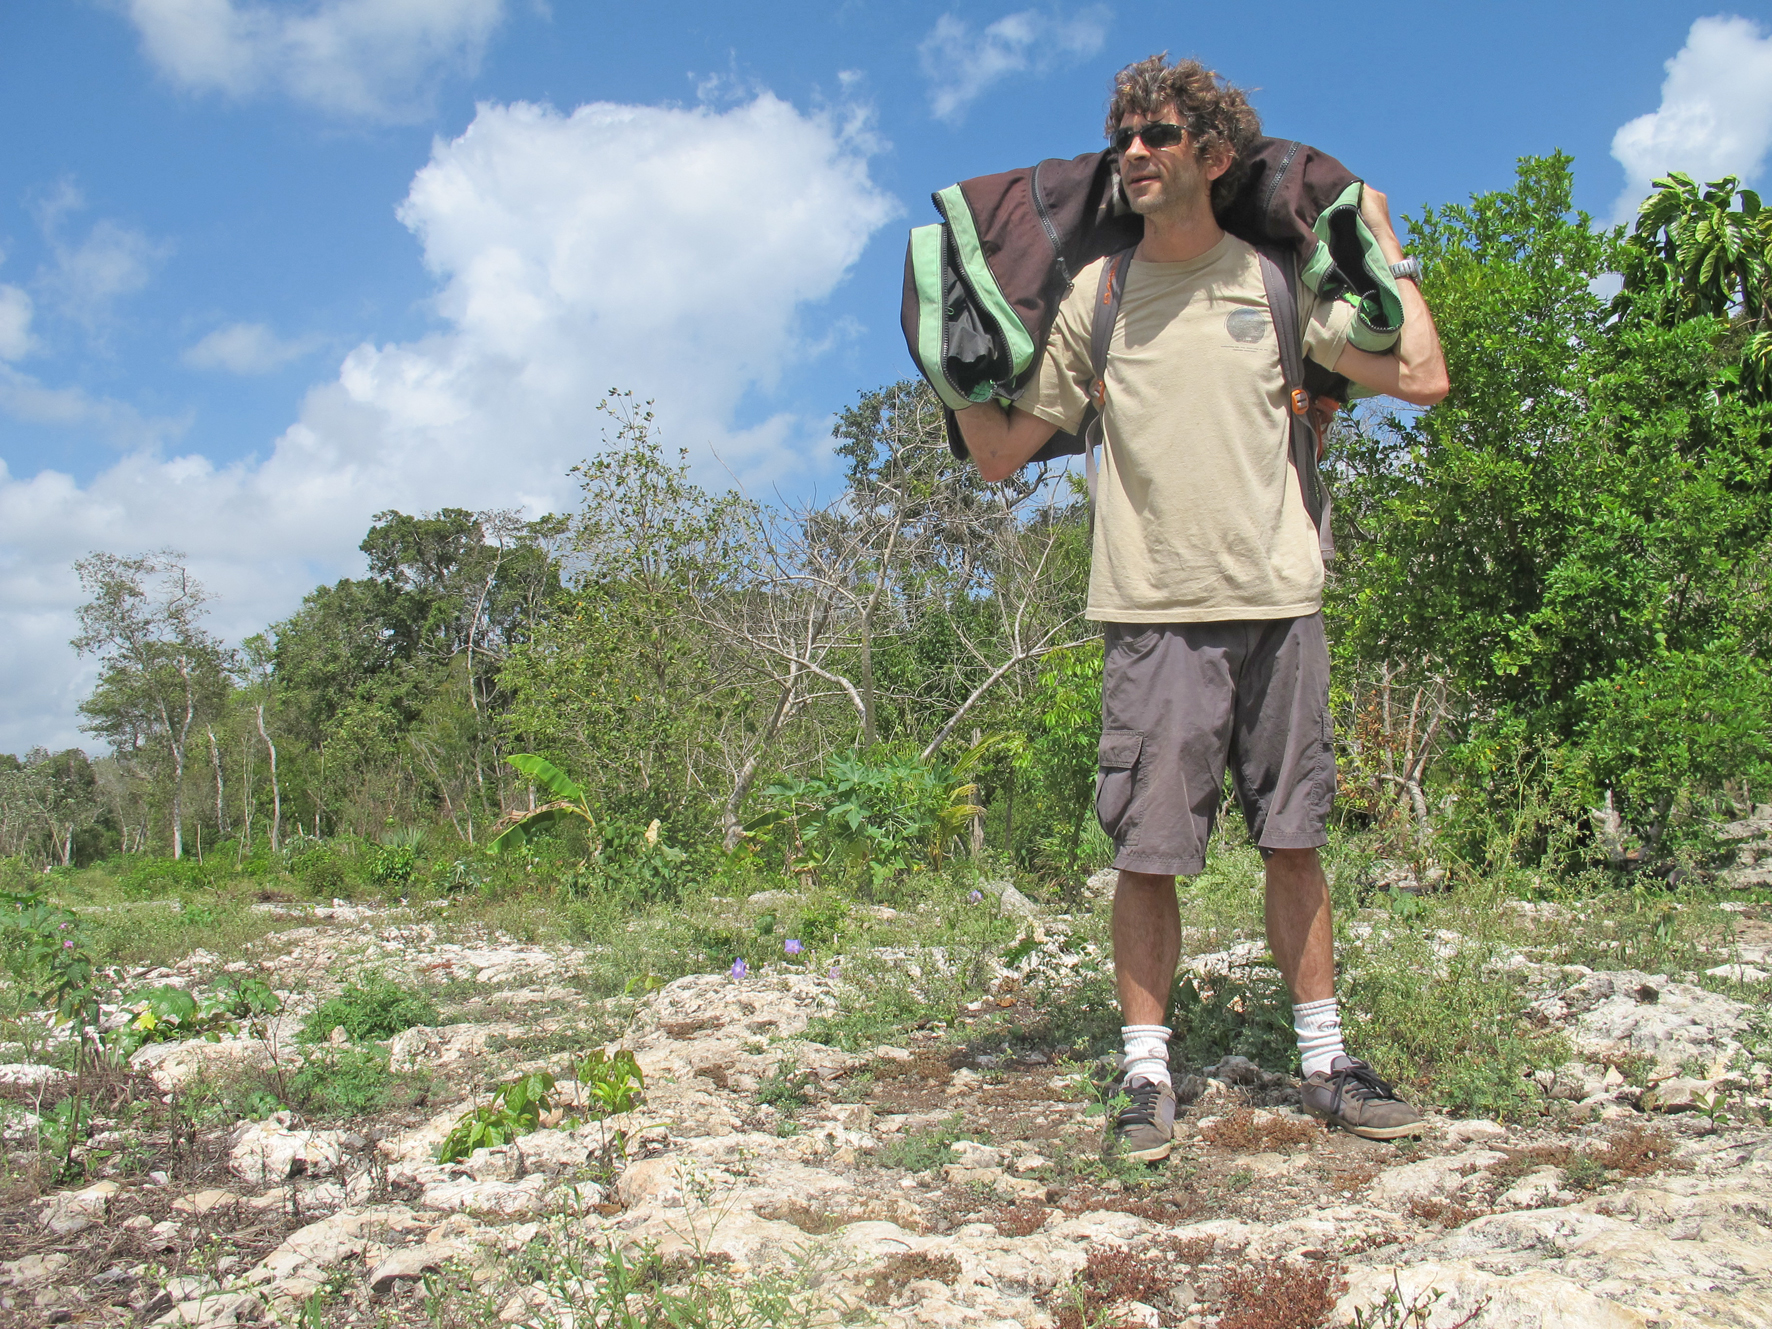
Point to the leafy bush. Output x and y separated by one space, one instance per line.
320 869
343 1082
150 878
880 817
636 861
374 1009
393 864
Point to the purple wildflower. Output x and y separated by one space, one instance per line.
976 896
740 968
67 945
833 974
792 947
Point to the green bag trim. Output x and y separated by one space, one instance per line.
1312 273
926 246
983 282
1380 317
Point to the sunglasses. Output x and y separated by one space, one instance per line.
1159 135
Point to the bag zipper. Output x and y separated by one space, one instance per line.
1279 175
1051 230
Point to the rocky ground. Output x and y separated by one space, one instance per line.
769 1176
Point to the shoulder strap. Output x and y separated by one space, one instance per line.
1279 277
1108 292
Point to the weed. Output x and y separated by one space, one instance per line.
1021 1219
902 1270
1394 1311
514 1110
376 1008
1445 1213
784 1089
1246 1012
1109 1279
614 1083
343 1082
1635 1067
1713 1109
1446 1017
920 1151
1637 1152
1279 1294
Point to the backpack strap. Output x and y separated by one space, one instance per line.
1279 276
1108 293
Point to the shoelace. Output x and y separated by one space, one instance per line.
1359 1082
1142 1110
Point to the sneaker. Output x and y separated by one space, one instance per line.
1145 1128
1350 1095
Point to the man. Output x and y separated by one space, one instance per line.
1207 578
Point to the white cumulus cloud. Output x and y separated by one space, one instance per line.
374 59
673 251
246 348
962 63
15 323
1715 117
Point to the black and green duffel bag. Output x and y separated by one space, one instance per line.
982 287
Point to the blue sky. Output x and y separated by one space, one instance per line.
267 268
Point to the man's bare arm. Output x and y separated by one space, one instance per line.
1417 372
1001 441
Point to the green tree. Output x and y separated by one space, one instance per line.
1581 528
162 671
621 683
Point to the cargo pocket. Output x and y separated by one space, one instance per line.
1114 783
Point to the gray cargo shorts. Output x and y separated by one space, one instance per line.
1179 701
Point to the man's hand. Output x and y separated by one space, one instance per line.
1416 372
1001 441
1375 211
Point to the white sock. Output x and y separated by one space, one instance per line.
1147 1052
1318 1026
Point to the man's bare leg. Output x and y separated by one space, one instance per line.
1147 945
1299 929
1300 934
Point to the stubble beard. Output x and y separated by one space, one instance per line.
1177 195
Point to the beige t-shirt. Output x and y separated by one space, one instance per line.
1198 513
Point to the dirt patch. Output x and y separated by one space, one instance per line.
936 1063
808 1220
1443 1213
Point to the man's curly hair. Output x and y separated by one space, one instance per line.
1214 113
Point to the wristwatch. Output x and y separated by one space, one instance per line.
1410 267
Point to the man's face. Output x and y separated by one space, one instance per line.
1163 179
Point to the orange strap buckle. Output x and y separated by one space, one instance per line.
1301 401
1098 394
